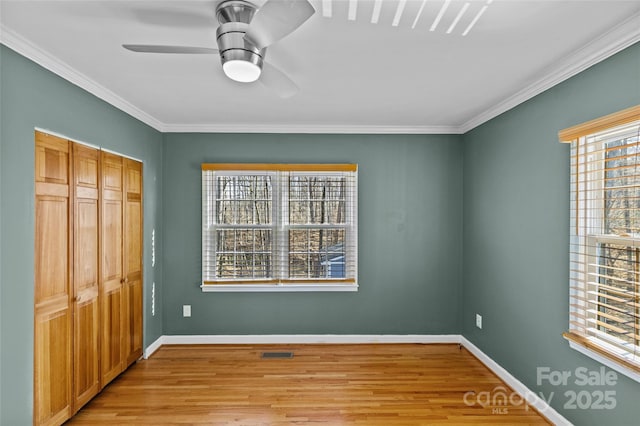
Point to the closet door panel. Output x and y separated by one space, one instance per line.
52 278
52 308
133 260
86 274
52 365
112 282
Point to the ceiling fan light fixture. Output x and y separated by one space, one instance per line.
241 70
242 40
241 61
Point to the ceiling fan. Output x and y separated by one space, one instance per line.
244 33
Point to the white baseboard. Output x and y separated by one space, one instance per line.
309 339
531 397
153 347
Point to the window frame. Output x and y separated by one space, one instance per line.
280 280
588 235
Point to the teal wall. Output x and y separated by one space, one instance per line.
516 232
410 217
33 97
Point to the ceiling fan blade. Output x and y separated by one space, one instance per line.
278 81
155 48
276 19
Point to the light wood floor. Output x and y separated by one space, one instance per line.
389 384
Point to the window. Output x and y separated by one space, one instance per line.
605 237
279 227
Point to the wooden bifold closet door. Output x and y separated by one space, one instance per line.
88 274
121 264
132 262
52 310
112 328
86 307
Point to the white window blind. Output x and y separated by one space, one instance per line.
605 239
279 224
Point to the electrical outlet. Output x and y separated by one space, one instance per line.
186 310
478 320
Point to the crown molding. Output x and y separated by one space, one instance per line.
308 128
29 50
613 41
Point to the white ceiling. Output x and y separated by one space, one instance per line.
354 75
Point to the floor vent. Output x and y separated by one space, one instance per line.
272 355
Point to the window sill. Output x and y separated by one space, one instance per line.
269 288
632 374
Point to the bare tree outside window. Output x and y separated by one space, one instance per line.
313 250
244 249
619 265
